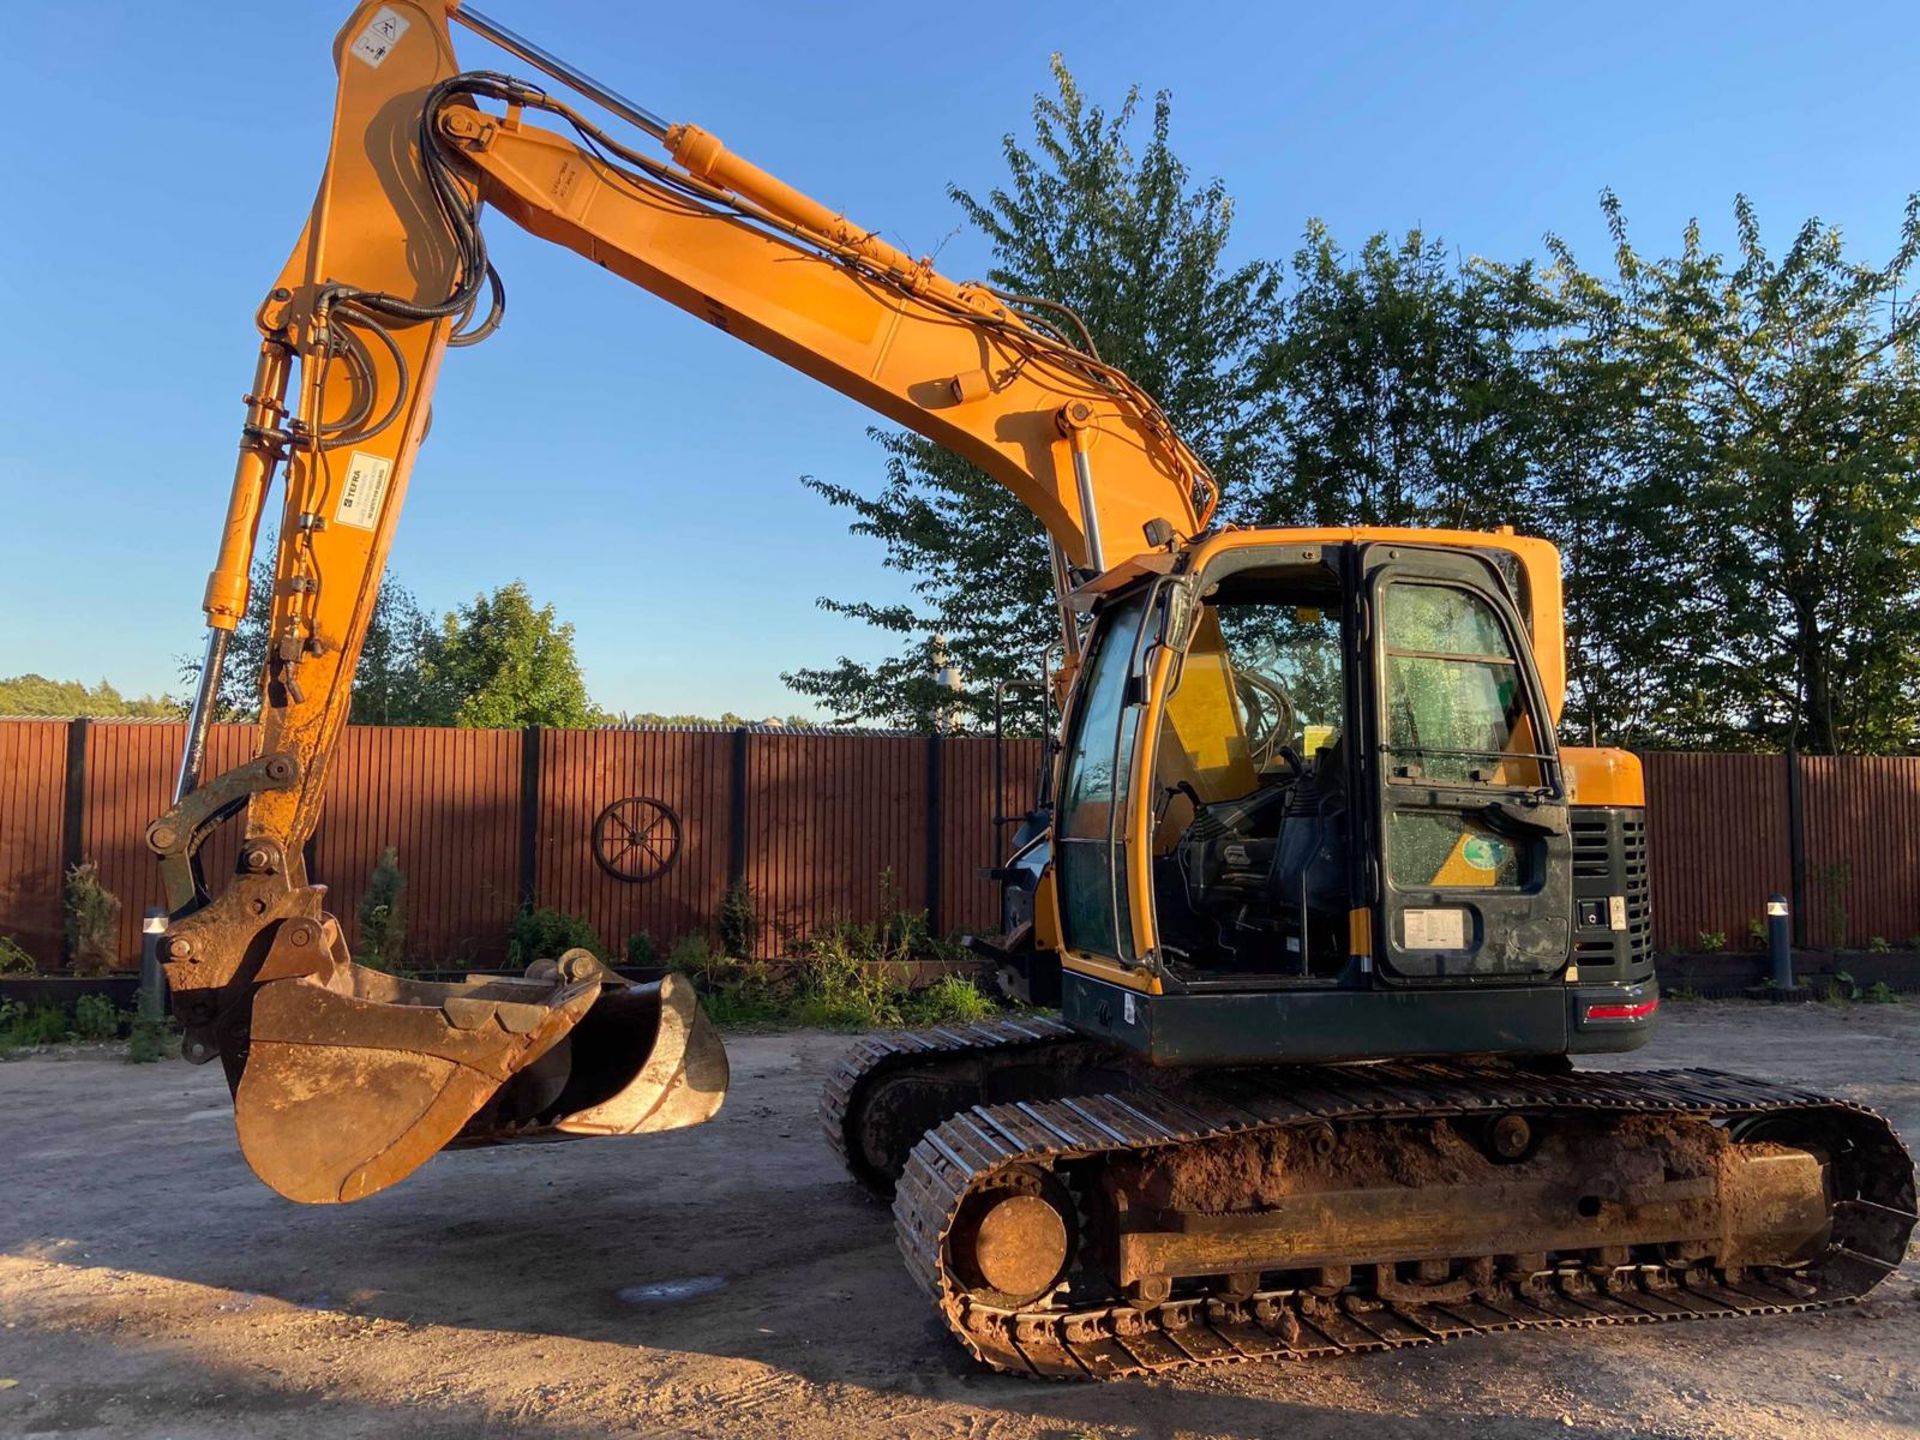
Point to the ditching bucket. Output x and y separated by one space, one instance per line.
353 1077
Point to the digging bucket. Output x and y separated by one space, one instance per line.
353 1078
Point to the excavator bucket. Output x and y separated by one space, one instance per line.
352 1078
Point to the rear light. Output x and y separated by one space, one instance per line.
1639 1010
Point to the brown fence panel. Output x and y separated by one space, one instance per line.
828 816
970 841
129 782
1863 848
1719 836
584 771
448 801
33 788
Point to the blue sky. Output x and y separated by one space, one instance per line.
641 471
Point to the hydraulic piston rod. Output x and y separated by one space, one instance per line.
553 66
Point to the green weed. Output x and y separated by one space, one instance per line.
14 960
95 1018
738 922
383 915
92 920
951 1000
546 934
21 1028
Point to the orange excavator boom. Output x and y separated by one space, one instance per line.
346 1079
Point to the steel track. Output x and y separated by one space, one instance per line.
1871 1179
876 1057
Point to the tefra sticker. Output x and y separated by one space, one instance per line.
383 32
363 493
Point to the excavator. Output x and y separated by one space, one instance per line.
1313 912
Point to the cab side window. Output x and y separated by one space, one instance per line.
1456 709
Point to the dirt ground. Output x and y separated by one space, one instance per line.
729 1281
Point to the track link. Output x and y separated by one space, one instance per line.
1055 1337
1037 1040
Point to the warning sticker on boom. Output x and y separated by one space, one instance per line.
383 32
1436 929
363 492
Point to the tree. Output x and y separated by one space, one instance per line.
1404 389
1133 247
391 685
32 694
501 662
388 686
1738 487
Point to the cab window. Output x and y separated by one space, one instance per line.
1456 708
1090 832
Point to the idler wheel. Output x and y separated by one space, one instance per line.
1013 1243
1021 1246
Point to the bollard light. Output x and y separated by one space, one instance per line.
1779 943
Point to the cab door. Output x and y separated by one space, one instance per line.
1472 843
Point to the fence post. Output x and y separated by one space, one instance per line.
737 809
529 816
1797 845
73 822
936 773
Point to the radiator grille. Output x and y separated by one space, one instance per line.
1610 858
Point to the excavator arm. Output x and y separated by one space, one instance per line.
345 1079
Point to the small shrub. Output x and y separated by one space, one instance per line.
1881 993
1877 945
151 1038
1710 942
1842 989
95 1018
1680 993
14 960
43 1025
739 925
383 915
951 1000
733 992
1757 934
694 954
546 934
92 918
837 985
640 951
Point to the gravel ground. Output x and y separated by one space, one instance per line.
728 1281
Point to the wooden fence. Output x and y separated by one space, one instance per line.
817 822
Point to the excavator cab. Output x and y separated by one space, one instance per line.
1310 806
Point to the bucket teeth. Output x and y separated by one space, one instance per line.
353 1079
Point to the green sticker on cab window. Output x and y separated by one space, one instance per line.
1482 852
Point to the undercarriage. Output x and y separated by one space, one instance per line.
1113 1219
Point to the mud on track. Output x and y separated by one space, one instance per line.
728 1281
